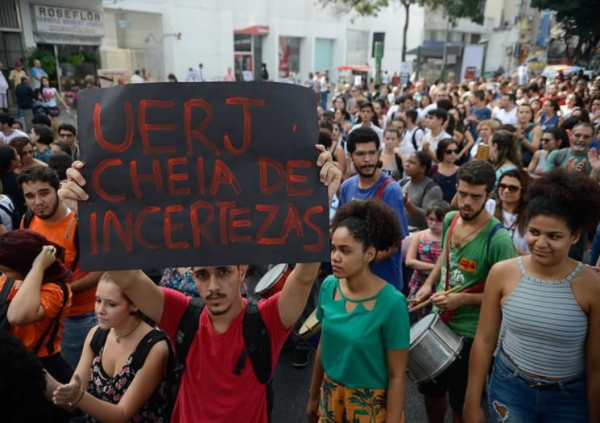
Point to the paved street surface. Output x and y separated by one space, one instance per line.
291 393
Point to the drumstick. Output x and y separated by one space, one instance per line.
429 301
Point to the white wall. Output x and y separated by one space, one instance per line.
207 28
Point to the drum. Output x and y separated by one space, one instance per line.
272 282
311 330
433 348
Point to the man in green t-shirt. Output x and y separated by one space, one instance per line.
473 242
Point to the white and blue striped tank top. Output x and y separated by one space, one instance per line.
545 329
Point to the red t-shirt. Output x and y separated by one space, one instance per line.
210 391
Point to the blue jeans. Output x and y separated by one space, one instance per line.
595 248
514 397
74 334
324 99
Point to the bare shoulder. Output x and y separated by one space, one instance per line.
588 281
506 267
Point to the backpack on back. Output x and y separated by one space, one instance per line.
256 340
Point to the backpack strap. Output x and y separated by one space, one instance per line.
27 217
6 289
258 349
76 243
495 229
53 326
145 345
98 340
385 183
414 138
560 156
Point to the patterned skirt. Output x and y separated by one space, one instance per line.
339 404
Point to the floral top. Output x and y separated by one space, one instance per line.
183 283
111 389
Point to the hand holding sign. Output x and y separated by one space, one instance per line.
171 170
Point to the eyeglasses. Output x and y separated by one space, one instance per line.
362 154
450 151
511 188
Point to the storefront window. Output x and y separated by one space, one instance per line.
289 56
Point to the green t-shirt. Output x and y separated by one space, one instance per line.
578 157
354 345
470 265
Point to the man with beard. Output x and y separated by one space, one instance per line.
371 183
575 157
48 216
473 241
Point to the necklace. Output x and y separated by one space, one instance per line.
459 243
119 337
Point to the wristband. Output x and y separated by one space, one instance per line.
74 404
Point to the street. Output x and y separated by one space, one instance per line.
291 393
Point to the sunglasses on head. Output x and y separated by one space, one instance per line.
510 188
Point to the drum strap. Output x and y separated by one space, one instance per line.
446 316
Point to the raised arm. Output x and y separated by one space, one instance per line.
26 307
296 291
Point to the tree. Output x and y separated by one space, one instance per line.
454 9
578 19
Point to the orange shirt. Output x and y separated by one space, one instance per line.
51 298
63 234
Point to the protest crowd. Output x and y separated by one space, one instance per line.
464 258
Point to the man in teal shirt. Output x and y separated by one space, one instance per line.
575 156
473 242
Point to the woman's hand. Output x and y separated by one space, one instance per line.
72 192
473 414
68 395
45 258
312 409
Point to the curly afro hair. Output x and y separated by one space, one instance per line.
371 223
572 197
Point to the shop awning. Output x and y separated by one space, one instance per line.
253 30
355 68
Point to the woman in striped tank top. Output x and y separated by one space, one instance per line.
547 365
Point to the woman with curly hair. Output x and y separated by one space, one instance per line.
547 366
360 364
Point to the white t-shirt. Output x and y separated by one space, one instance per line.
49 97
507 118
6 203
16 134
433 141
375 128
136 79
406 146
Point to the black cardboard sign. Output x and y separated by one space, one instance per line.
192 174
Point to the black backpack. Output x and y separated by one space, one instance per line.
27 221
256 339
4 324
15 216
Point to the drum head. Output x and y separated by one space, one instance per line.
310 326
270 278
421 326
